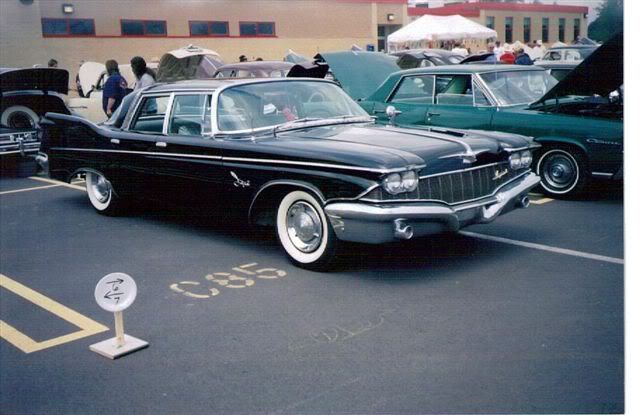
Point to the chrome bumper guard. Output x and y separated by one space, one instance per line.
379 223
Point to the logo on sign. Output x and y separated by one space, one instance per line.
115 292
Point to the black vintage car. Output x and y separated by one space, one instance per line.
297 154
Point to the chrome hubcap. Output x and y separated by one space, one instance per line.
304 226
559 171
100 188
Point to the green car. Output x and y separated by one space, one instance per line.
578 121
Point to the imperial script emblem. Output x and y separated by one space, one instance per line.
499 174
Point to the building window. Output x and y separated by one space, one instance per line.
257 29
527 30
561 24
545 29
508 29
68 27
143 27
576 29
491 22
208 28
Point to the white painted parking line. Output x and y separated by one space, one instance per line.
8 192
547 248
59 183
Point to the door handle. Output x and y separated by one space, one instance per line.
161 144
115 141
433 114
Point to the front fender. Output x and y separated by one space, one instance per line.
547 140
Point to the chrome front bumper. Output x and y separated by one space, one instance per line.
379 223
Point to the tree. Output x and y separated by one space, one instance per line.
610 20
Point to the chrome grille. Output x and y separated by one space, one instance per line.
455 187
467 184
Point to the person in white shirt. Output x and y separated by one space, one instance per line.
459 50
498 50
144 76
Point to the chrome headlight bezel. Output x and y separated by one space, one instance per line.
515 162
526 158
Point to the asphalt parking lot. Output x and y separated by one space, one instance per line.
524 315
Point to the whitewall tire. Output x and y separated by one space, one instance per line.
562 172
101 194
304 232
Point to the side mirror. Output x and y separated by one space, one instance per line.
392 113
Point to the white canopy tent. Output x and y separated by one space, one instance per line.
420 32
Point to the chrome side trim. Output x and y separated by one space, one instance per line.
598 174
327 165
145 153
246 160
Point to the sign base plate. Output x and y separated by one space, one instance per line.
109 348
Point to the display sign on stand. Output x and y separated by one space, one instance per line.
116 292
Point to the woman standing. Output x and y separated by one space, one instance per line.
115 88
144 75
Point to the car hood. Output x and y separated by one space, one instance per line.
391 147
599 74
34 79
359 73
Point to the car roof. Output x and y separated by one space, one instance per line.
257 65
573 47
212 84
471 69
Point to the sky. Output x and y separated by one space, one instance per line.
592 4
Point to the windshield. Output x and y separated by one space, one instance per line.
253 106
518 87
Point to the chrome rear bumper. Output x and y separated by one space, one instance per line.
379 223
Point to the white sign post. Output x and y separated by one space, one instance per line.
116 292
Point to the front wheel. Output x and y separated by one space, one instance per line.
102 196
305 233
562 172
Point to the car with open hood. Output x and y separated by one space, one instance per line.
25 96
189 62
295 154
420 58
578 120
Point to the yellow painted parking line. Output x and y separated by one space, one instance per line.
541 201
25 343
8 192
59 183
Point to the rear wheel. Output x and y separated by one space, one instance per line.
562 172
102 196
304 231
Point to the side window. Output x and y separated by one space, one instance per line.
479 98
150 116
191 115
454 90
415 89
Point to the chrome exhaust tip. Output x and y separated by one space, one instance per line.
524 201
402 230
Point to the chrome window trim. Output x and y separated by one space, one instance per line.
395 88
167 114
214 105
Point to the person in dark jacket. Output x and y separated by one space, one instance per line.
522 58
115 88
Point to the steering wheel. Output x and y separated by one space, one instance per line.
315 95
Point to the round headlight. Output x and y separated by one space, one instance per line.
526 158
515 161
409 181
393 183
